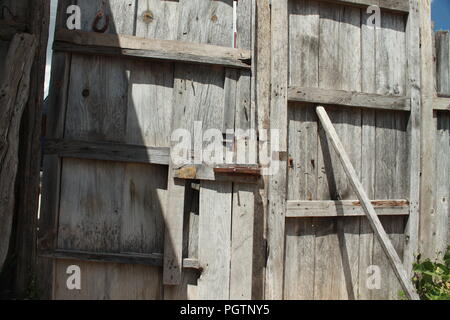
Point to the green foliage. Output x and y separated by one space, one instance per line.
432 278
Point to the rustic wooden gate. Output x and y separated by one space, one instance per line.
326 53
113 203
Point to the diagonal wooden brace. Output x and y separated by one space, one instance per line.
375 223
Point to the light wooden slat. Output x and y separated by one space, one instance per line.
343 208
428 134
440 103
123 45
367 206
348 98
155 259
106 151
394 5
243 200
278 180
262 88
214 252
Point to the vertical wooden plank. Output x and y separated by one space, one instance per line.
443 62
149 110
442 168
302 185
387 186
241 271
242 242
157 19
262 64
278 121
390 55
215 240
427 192
57 104
368 84
304 43
413 130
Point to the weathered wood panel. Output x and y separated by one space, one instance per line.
333 47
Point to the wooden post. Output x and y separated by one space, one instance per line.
14 94
375 223
278 121
427 190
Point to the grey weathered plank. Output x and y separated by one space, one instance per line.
243 209
442 62
14 94
441 103
157 19
214 252
442 167
129 46
262 87
241 257
413 127
304 43
302 184
368 208
278 180
107 151
390 55
302 208
427 137
347 98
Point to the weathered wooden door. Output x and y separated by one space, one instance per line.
113 107
329 53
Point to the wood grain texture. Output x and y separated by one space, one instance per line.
107 151
129 46
214 252
347 98
278 180
368 208
14 94
303 209
442 62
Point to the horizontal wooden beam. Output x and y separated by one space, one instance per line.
107 151
441 103
349 99
345 208
392 5
155 259
248 175
129 46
